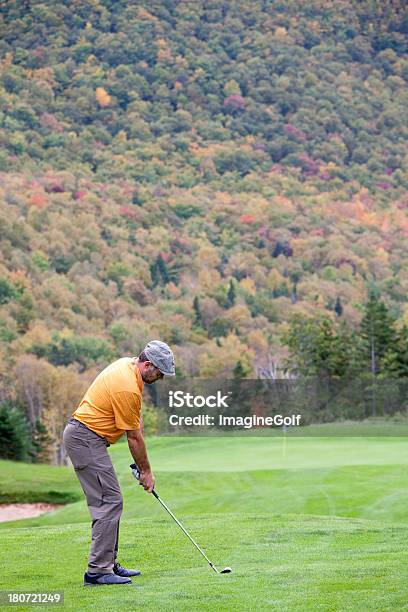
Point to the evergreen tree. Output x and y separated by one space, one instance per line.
159 272
197 312
344 355
14 434
240 371
338 308
319 348
395 362
136 198
231 295
7 291
162 269
377 333
378 339
311 343
154 273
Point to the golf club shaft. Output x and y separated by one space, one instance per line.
182 528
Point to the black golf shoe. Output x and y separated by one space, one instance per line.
125 573
99 579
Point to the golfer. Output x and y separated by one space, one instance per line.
111 407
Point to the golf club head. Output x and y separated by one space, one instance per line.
226 570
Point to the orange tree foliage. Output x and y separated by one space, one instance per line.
250 155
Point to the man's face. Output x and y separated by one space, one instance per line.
150 373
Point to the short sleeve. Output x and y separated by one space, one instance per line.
126 408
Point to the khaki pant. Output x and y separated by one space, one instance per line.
95 472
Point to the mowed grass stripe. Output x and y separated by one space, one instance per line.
373 492
232 454
308 480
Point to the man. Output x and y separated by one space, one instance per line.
111 406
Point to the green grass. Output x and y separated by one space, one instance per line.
23 482
306 524
279 562
353 477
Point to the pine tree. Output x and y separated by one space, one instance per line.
154 274
162 269
344 355
378 339
159 272
311 343
395 362
197 312
377 333
231 295
240 371
136 198
338 308
14 435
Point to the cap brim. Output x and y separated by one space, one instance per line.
168 373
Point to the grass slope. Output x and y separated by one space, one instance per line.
279 562
293 520
355 477
24 482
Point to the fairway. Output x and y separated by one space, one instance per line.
315 523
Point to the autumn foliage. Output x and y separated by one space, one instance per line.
200 174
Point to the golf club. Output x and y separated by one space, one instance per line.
136 474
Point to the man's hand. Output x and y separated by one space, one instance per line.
147 481
138 450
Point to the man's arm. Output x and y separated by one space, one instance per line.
137 448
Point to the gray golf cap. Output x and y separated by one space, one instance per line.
161 356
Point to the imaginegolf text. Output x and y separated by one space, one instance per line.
258 421
247 422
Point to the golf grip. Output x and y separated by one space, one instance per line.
136 474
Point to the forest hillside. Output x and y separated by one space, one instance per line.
200 172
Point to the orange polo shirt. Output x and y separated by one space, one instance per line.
113 402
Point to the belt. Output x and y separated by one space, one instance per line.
73 420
